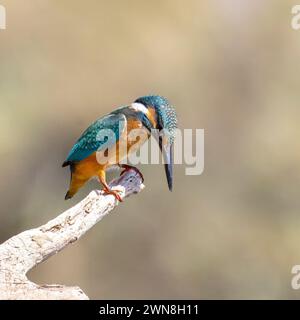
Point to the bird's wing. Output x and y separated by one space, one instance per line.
97 137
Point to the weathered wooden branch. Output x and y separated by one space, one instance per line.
26 250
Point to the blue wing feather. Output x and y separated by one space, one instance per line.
88 142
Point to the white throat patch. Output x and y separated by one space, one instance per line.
139 107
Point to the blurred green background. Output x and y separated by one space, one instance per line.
230 67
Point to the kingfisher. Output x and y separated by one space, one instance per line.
92 156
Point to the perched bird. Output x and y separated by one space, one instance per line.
149 112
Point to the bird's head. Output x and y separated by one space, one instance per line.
159 114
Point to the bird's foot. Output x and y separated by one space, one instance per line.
115 193
127 167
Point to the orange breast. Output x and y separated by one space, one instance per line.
91 165
133 124
88 167
135 138
152 116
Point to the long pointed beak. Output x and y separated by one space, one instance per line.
167 151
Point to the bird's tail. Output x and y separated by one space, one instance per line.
70 192
76 183
69 195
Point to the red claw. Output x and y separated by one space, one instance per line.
114 193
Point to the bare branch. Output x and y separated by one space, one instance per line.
26 250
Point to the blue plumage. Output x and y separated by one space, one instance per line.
167 118
90 141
